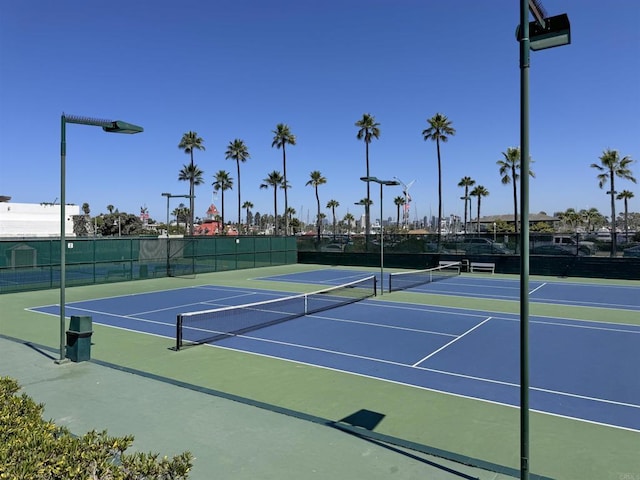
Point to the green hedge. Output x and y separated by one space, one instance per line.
31 447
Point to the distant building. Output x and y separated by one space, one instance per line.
211 224
19 220
486 223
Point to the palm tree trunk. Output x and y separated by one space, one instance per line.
626 224
318 216
191 202
515 198
275 209
286 201
333 214
439 191
478 221
466 195
367 206
613 215
222 210
470 207
239 205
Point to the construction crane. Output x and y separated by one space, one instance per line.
407 200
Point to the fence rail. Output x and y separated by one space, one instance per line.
34 264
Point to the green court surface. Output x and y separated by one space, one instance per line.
204 400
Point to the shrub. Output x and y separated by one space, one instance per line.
31 447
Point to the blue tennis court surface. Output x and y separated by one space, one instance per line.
579 369
563 293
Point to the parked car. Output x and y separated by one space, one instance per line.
333 247
476 240
632 252
489 248
569 241
556 250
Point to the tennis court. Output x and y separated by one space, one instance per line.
600 295
580 369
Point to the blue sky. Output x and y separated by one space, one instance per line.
236 68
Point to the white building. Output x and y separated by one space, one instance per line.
35 220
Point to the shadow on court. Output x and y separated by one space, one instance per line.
230 437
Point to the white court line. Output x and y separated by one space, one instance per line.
213 302
451 342
511 317
441 372
106 314
382 325
552 301
537 288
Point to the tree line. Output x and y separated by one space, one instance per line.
439 130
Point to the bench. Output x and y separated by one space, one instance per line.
461 265
482 267
450 264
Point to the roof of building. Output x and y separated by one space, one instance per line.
533 217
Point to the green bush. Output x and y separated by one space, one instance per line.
31 447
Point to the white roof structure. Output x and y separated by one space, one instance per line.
18 220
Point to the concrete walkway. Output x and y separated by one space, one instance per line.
229 440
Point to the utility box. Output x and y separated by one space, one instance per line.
79 338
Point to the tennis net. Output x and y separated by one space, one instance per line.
194 328
413 278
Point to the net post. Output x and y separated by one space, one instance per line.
178 332
375 285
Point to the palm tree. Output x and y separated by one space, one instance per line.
479 192
398 201
222 183
189 142
611 166
248 206
85 208
110 208
275 180
192 174
625 195
282 137
368 131
348 219
289 214
366 203
509 169
571 217
333 204
466 182
315 180
592 218
439 130
181 212
237 150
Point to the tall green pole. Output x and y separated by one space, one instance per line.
381 246
109 126
524 239
63 155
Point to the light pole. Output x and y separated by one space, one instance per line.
544 32
110 126
169 195
381 183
